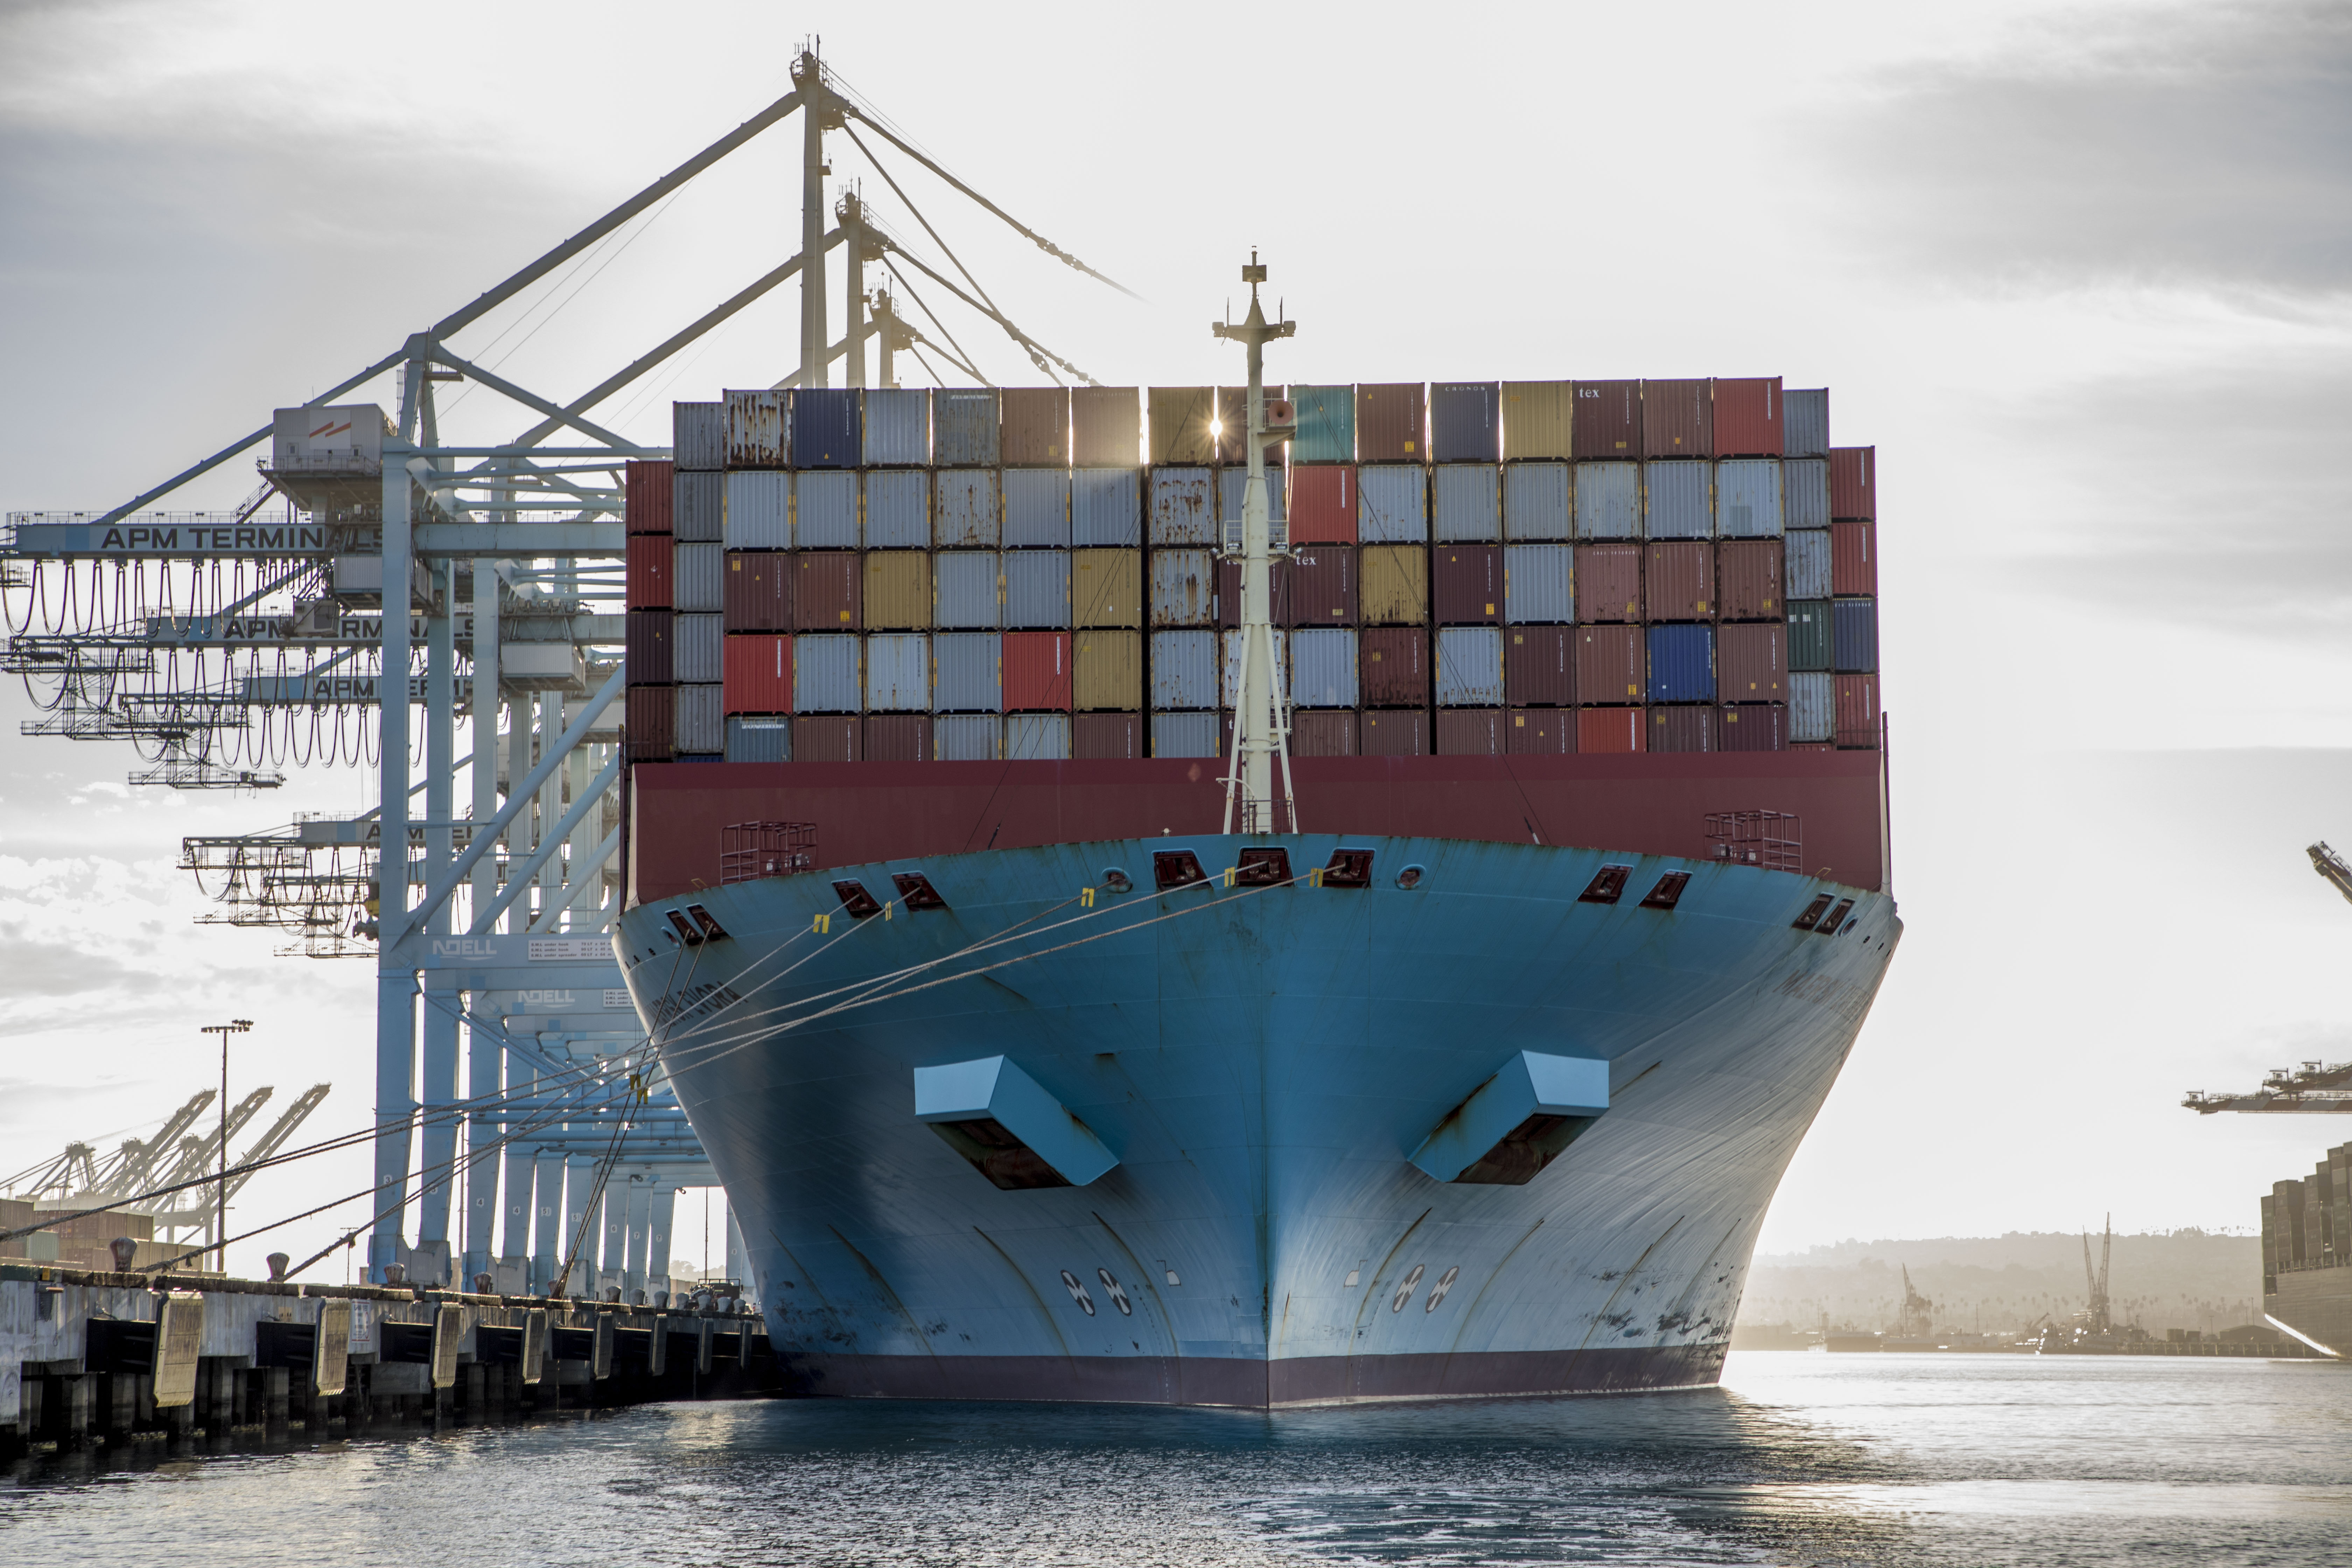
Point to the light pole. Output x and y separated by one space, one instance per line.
220 1232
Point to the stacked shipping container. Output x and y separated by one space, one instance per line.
1474 568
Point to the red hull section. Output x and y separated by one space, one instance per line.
1646 803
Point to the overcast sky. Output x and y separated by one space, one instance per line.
2080 273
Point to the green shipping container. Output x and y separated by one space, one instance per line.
1810 642
1327 425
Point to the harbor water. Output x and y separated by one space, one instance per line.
1796 1459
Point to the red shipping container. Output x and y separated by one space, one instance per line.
651 723
1678 581
1608 419
1392 665
1539 667
895 738
648 648
1608 583
644 497
1229 592
1610 665
827 591
1036 667
1857 712
1751 663
649 572
1606 730
1853 560
1753 727
1323 504
1465 585
1470 731
1853 481
1678 419
827 738
758 591
1541 732
1323 733
1747 417
1322 588
1233 430
1036 428
1681 729
1748 580
1107 737
1812 745
1388 425
1394 732
759 673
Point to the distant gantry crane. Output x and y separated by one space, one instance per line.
2314 1088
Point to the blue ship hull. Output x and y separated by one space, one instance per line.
1262 1063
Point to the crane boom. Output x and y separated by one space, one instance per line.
2331 866
2316 1089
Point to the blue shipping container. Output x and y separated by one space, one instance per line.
1675 504
1465 502
1392 504
758 740
1036 590
1805 493
1608 500
964 428
1036 508
1327 425
824 510
1036 737
1538 585
1184 669
1853 635
1681 663
1323 668
1184 734
969 672
967 738
1748 498
1807 553
824 428
897 427
970 516
826 673
1184 509
1107 507
697 507
698 435
1463 427
899 508
757 504
1813 707
898 672
967 592
1539 501
1805 423
1470 667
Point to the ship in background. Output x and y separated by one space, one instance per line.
1288 1068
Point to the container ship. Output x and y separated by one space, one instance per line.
2308 1255
1260 896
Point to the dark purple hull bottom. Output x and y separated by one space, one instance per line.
1256 1384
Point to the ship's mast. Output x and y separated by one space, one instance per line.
1261 713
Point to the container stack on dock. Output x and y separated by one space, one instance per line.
1475 568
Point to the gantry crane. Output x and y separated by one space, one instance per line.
2314 1088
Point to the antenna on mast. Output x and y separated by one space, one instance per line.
1260 709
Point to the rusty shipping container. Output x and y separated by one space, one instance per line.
758 429
1539 667
964 432
1106 428
1605 730
1751 663
1678 580
1853 559
647 649
1184 509
1812 707
1181 417
1538 423
1107 588
1184 669
1608 419
1681 729
1105 737
826 596
1808 565
1323 587
1748 580
1752 727
1467 585
1678 419
1393 585
1853 482
1747 417
971 511
1323 504
652 722
828 738
896 594
1391 505
647 580
645 490
1541 732
1107 671
1470 731
1034 428
896 738
759 594
1183 588
759 673
1389 423
1327 733
1394 732
1465 422
1608 583
1393 663
1611 664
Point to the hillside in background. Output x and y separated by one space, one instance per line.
2182 1279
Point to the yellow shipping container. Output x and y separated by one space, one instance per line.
1107 672
1107 588
1394 582
898 590
1536 416
1180 424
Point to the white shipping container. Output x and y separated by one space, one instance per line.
1538 585
1036 508
697 507
1107 507
1464 502
1036 737
824 509
699 577
968 515
898 509
1230 690
702 719
698 649
1184 734
1812 706
1608 500
1539 501
1392 504
897 427
1674 500
968 672
966 590
1748 498
826 673
1182 509
1470 667
1323 666
898 672
1037 589
967 738
758 509
1807 558
1184 669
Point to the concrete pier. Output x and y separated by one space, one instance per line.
91 1359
